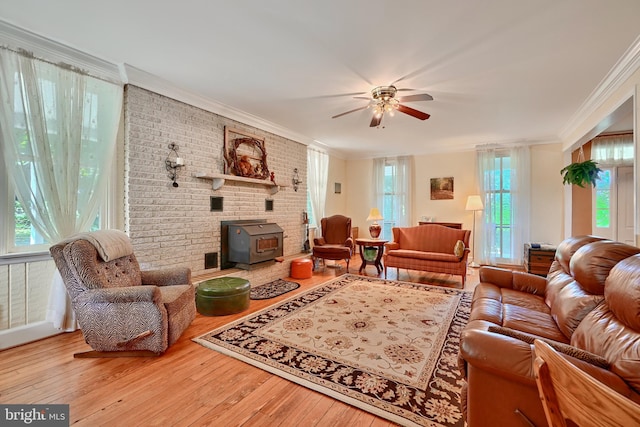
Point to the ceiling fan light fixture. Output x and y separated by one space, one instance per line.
384 101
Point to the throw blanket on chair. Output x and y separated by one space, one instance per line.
110 244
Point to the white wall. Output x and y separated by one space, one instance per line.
336 203
462 167
547 208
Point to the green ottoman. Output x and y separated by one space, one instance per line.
222 296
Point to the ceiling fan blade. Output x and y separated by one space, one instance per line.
418 97
362 97
338 95
415 113
351 111
375 121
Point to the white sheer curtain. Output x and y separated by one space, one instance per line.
317 173
520 201
378 185
402 190
392 194
504 176
613 150
58 129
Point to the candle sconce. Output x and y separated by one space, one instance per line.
173 163
296 180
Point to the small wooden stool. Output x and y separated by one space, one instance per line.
301 268
222 296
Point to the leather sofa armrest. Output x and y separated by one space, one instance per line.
529 283
167 276
499 355
125 294
517 280
392 245
498 276
319 241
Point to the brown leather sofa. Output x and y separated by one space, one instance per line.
588 307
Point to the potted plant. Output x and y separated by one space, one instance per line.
581 173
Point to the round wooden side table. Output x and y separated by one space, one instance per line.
371 251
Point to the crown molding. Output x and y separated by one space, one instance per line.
18 38
615 78
145 80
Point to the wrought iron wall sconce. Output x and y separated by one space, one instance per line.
296 180
173 163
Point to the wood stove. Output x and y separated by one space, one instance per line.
250 243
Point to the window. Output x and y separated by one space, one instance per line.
499 195
57 148
505 185
388 202
603 199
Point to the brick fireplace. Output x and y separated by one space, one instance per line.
175 226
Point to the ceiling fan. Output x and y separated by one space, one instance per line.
383 100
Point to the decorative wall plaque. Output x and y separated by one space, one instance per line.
245 154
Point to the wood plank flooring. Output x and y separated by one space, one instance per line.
189 385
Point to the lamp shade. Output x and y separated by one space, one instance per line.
474 203
374 215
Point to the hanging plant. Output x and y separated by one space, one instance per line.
581 173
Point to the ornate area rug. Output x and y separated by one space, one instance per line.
384 346
273 289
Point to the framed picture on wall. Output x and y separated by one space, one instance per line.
442 188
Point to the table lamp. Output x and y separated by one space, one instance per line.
374 229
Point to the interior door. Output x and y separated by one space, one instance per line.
624 206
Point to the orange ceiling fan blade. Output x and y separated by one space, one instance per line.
412 112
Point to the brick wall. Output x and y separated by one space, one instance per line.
173 226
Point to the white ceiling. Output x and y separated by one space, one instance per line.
501 71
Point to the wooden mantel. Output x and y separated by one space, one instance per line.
220 178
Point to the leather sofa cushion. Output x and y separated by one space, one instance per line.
429 256
623 292
571 305
557 279
514 309
591 264
602 333
524 300
532 322
569 246
487 309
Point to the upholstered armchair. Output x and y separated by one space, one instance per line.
336 242
121 309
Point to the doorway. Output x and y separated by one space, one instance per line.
613 207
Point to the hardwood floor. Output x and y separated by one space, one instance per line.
189 385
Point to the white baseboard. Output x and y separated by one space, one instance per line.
25 334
